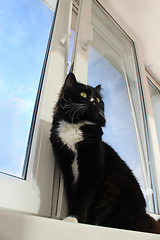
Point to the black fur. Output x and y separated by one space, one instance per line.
106 192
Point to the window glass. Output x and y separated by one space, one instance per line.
119 131
112 64
24 31
155 99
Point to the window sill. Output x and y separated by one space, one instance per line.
18 226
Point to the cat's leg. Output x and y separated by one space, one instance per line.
83 199
88 181
105 207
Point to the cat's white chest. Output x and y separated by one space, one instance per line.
70 134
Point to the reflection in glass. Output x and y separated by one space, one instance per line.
119 131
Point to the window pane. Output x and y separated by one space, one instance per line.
112 64
155 99
24 31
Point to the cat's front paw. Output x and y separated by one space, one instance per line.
71 219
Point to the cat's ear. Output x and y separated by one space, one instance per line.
70 80
98 88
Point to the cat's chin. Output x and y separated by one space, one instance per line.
70 219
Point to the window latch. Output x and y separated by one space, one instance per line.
89 39
64 38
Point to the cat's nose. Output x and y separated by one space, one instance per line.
94 101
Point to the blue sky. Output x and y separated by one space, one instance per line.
24 31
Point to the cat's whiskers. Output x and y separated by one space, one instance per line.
78 112
75 110
73 113
62 106
70 111
67 100
71 105
82 111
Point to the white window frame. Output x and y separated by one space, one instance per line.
152 80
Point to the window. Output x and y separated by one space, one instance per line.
97 39
25 27
34 194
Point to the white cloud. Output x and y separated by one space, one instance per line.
17 104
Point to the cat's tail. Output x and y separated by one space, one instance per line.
151 225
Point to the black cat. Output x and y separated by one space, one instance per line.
100 187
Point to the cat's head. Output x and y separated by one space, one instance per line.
79 102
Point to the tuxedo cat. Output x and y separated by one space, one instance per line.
100 188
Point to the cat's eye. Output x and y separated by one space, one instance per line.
98 100
83 94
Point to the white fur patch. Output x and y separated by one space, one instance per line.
71 134
75 167
71 219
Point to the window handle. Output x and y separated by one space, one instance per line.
89 39
64 38
68 29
